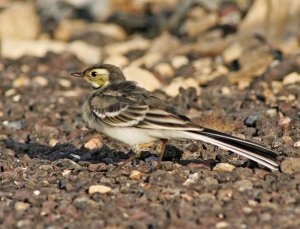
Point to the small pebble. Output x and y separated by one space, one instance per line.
284 121
290 165
192 179
272 112
243 185
99 188
41 81
16 98
53 142
222 224
179 61
94 143
17 125
224 167
65 83
135 175
297 144
251 120
21 206
291 78
164 70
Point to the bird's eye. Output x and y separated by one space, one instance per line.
93 74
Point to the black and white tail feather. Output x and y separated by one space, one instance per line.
124 105
241 147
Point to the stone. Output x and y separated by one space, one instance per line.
192 179
291 78
135 175
284 121
99 188
143 77
16 125
65 83
19 21
21 81
225 167
136 43
94 143
233 52
118 60
290 165
15 49
179 61
21 206
179 82
297 144
164 70
243 185
40 80
89 54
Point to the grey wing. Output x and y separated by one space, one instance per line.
135 107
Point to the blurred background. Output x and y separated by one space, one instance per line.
198 39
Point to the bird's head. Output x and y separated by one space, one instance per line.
101 75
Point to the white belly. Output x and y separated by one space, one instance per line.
135 136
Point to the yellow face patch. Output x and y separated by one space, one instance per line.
97 77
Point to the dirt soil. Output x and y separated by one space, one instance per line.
44 184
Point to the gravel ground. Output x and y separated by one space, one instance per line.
56 173
48 177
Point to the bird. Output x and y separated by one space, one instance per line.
122 110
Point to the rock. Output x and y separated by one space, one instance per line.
66 29
251 120
10 92
40 80
290 165
297 144
21 81
118 60
179 61
164 69
224 167
284 121
21 206
110 30
243 185
16 125
192 179
135 175
179 82
233 52
15 49
200 22
65 83
225 194
222 224
94 143
99 188
291 78
53 142
272 112
137 43
89 54
143 77
19 21
164 44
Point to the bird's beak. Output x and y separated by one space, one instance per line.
76 74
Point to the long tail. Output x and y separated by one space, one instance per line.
244 148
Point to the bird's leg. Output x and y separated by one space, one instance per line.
137 153
162 152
